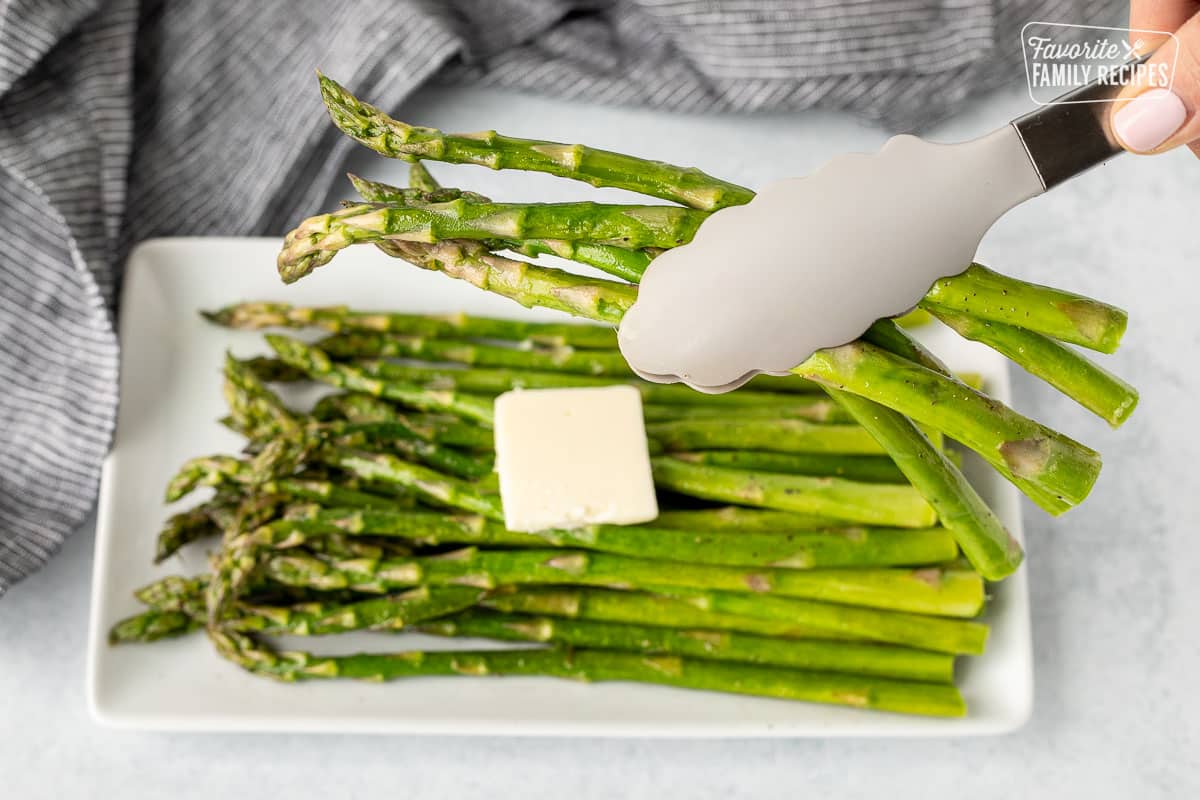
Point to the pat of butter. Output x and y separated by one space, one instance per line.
572 457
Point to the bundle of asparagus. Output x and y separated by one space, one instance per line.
812 527
377 510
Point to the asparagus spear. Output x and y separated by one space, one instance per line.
776 435
642 608
837 498
564 359
668 402
377 192
320 367
1065 316
152 625
1056 471
860 659
799 549
265 416
186 527
983 539
315 241
985 542
618 261
529 284
880 625
367 409
419 178
226 470
927 590
371 127
175 593
338 319
604 665
426 483
494 381
1088 384
391 612
865 469
739 518
813 408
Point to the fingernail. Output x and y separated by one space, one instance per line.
1149 119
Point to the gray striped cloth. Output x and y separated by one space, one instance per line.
230 138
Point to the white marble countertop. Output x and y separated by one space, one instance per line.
1115 617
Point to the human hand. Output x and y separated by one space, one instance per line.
1149 119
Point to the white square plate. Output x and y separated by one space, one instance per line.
170 403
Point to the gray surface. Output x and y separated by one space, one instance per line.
1115 619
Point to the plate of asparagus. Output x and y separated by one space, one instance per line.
838 552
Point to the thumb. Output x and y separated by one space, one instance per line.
1150 118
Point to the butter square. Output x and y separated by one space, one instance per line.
573 457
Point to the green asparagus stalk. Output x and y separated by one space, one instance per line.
775 435
152 625
175 593
814 408
367 409
529 284
270 418
798 549
450 431
371 127
563 359
606 665
320 367
1056 471
419 178
985 542
1068 317
495 381
376 192
864 469
317 239
742 519
642 608
836 498
207 471
620 262
186 527
435 487
617 261
1089 384
389 612
850 657
988 546
912 630
339 319
229 471
927 590
229 513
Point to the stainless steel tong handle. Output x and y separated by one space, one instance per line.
1071 134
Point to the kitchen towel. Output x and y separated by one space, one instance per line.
122 120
